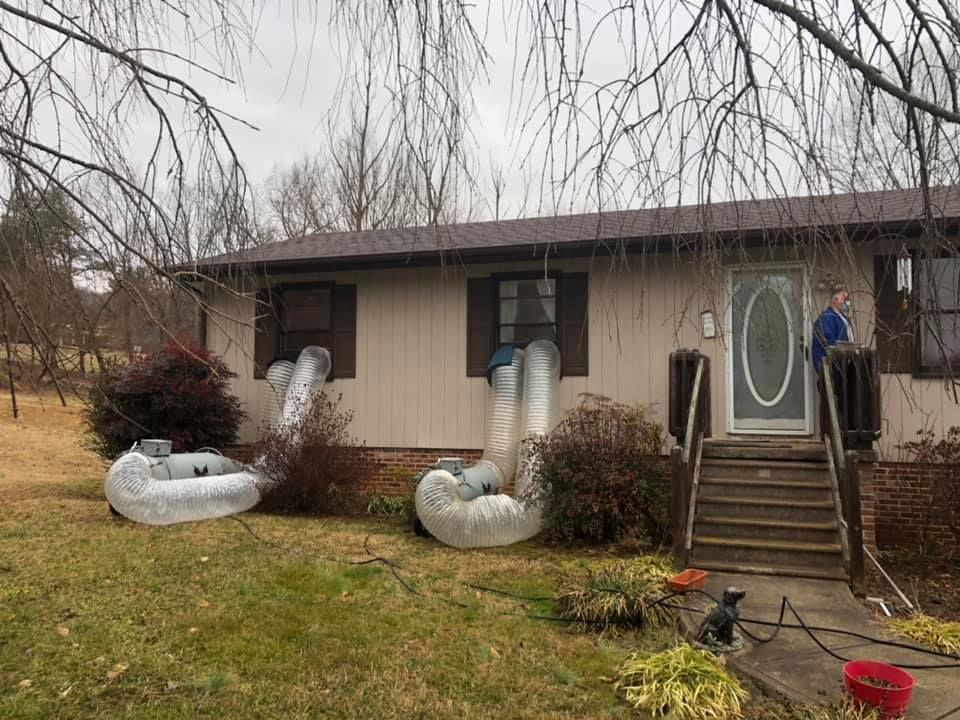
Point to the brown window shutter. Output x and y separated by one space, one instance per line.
893 318
480 325
266 342
573 296
345 331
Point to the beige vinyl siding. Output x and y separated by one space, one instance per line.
411 388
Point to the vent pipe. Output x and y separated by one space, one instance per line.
493 520
174 489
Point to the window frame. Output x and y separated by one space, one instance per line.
497 278
920 370
280 290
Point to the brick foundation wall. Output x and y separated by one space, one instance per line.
395 466
868 505
897 499
910 512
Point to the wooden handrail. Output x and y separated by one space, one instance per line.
685 485
835 437
692 413
848 484
694 487
838 504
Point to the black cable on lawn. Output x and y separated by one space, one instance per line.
506 593
778 625
810 630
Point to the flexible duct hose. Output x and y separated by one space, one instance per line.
274 391
133 491
492 520
495 469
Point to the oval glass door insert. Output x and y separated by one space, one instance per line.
767 347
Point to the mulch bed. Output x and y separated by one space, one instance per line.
931 581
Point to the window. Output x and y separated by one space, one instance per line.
306 318
917 314
516 309
526 310
938 298
291 317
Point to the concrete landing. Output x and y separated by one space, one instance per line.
795 667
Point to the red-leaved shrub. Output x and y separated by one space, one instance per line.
601 478
180 393
314 466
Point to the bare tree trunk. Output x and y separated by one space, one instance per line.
9 349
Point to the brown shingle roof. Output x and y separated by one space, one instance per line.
846 210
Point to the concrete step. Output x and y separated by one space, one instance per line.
766 553
764 450
759 529
788 489
764 469
767 508
804 572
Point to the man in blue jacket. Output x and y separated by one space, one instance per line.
832 326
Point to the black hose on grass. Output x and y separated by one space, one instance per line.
785 604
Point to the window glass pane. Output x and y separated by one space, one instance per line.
532 288
941 339
297 341
527 310
940 283
306 309
522 334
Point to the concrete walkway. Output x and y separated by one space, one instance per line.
794 666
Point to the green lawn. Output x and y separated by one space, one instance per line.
101 617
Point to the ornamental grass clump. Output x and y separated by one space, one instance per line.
938 634
849 710
682 684
620 593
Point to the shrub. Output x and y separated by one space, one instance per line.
397 506
601 477
314 466
624 592
389 506
944 456
180 393
682 683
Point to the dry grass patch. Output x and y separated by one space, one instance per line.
100 617
941 635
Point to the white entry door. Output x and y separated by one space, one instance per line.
769 381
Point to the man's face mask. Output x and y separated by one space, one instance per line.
846 307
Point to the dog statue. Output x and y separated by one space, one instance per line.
717 630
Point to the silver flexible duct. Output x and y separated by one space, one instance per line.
495 469
493 520
136 486
274 391
311 371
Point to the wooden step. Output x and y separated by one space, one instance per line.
766 553
761 529
787 488
763 469
764 450
767 508
804 572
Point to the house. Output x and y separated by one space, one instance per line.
413 315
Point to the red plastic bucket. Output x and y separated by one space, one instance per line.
891 701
